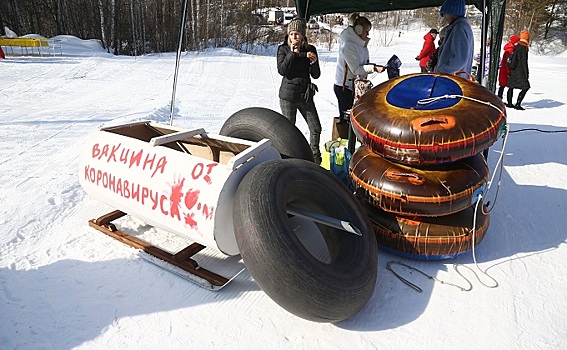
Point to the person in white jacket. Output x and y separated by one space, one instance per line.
352 62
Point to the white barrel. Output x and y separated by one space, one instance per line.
161 175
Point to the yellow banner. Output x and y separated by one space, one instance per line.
23 42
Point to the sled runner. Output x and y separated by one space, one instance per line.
180 263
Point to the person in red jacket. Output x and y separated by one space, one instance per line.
504 72
427 50
2 53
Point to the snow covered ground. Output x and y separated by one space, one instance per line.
65 285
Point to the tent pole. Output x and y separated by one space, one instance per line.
480 73
177 58
497 16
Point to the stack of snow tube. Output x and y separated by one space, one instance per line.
421 170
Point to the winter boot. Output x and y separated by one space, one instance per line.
521 96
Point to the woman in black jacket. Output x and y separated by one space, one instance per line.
297 63
519 72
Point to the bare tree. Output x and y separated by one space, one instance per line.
112 25
59 17
102 25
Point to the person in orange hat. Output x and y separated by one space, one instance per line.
504 70
519 72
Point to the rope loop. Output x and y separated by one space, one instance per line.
455 266
416 287
425 101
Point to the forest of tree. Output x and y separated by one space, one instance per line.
135 27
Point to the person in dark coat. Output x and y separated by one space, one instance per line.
519 72
504 71
427 50
297 64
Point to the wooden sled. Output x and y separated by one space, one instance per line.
180 263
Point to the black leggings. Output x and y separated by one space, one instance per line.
309 113
501 91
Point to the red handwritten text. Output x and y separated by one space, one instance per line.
128 157
170 206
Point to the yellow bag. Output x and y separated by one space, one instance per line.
329 145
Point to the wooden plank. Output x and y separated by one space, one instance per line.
176 136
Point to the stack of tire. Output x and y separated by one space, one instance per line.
421 169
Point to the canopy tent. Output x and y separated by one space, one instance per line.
316 7
492 23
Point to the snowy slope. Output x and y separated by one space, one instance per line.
65 285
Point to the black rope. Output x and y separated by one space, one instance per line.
538 130
416 287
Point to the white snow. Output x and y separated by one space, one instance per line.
66 285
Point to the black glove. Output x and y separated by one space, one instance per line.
311 90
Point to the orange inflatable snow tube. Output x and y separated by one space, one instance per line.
433 190
428 118
429 238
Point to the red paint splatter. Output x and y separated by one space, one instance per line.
190 221
208 211
191 198
175 198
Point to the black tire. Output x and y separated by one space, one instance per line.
257 123
273 253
